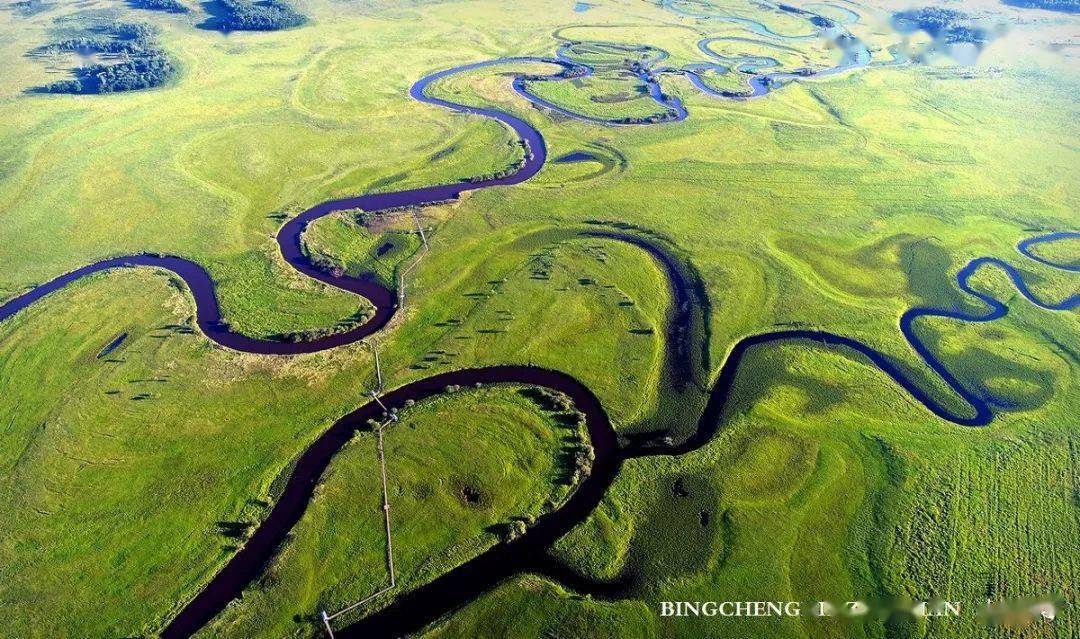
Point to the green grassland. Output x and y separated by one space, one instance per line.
776 20
359 249
726 80
809 55
1062 252
871 502
153 446
534 607
609 96
434 475
243 146
571 287
835 204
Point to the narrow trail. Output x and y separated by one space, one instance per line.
411 610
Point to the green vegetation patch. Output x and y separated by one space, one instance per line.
26 8
611 54
615 95
169 6
1064 252
135 60
291 308
569 286
810 498
725 80
900 266
130 471
164 442
464 469
253 15
788 56
528 606
363 244
1067 6
949 25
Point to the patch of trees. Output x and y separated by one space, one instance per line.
138 73
170 6
142 63
1068 6
669 115
92 44
265 15
933 20
117 38
140 32
943 24
30 7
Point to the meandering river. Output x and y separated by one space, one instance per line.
411 610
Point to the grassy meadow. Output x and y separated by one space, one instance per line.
609 96
129 477
435 475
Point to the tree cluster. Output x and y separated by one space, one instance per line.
933 20
140 32
171 6
97 44
943 24
1068 6
30 7
265 15
138 73
142 64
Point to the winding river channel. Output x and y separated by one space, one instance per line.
412 610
